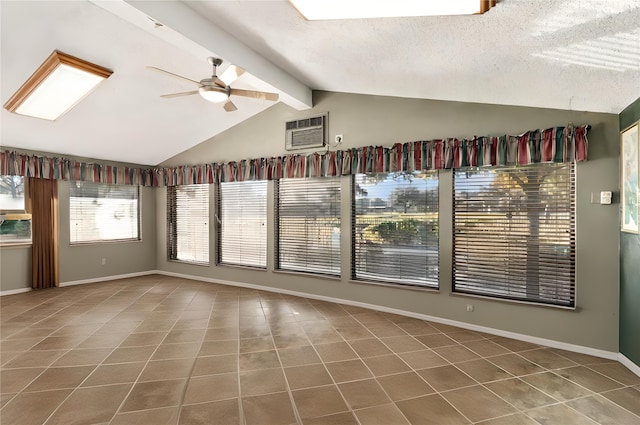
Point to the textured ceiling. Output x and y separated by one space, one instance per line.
567 54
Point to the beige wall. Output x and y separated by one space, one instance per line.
84 262
80 262
15 267
374 120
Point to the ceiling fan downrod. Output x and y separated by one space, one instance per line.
215 63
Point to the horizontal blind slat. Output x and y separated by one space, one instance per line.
308 225
395 228
242 223
103 212
188 239
514 232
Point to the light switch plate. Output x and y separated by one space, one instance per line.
605 198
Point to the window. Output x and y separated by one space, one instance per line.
514 233
104 212
188 223
308 225
242 223
15 225
395 228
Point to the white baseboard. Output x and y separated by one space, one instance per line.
629 364
84 281
15 291
106 278
521 337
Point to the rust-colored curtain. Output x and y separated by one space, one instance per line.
43 206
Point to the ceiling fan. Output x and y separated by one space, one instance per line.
217 89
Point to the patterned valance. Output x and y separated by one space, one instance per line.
558 144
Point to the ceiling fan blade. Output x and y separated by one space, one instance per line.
219 82
184 93
231 74
255 94
229 106
174 75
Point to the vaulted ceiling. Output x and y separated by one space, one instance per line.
568 54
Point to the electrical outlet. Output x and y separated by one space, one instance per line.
469 307
104 261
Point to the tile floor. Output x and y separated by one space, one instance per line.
158 350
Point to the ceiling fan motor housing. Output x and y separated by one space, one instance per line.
216 90
212 92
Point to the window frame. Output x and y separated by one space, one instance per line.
219 216
18 211
138 220
561 260
278 262
430 280
172 228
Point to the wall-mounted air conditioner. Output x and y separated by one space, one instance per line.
306 133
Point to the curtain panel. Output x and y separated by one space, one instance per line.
557 144
43 205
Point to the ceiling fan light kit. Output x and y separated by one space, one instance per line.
216 89
213 94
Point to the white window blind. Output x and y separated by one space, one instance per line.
308 225
14 226
242 223
188 223
395 228
514 233
103 212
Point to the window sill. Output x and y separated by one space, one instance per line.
508 301
311 275
396 285
243 267
190 263
15 245
84 244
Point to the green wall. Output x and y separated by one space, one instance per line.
630 271
376 120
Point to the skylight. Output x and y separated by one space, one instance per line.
360 9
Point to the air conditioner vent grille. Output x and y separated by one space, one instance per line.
306 133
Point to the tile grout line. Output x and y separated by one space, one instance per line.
76 312
242 418
195 359
312 345
294 406
617 404
117 411
436 392
50 366
324 364
478 383
374 377
553 371
77 387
